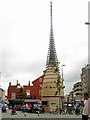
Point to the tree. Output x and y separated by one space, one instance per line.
59 81
21 95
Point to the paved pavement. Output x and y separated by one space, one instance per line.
32 116
41 118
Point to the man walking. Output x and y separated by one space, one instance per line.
86 107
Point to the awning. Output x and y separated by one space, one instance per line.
78 100
32 100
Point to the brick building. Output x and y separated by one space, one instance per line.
13 90
32 93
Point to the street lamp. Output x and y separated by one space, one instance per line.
62 82
62 71
0 79
87 23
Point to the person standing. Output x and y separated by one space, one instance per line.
86 107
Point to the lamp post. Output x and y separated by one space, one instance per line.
62 83
62 72
0 79
87 23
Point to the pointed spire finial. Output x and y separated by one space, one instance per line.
52 57
51 10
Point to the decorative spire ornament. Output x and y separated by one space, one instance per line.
51 57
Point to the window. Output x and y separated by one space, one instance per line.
40 79
27 92
53 105
13 95
40 85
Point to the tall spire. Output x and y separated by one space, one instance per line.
52 57
50 77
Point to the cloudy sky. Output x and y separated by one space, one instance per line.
24 39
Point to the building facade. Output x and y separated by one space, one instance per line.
2 94
71 97
13 91
85 79
77 87
32 92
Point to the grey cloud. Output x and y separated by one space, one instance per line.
73 76
23 67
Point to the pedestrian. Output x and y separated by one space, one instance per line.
29 108
43 109
37 110
86 107
3 108
24 108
